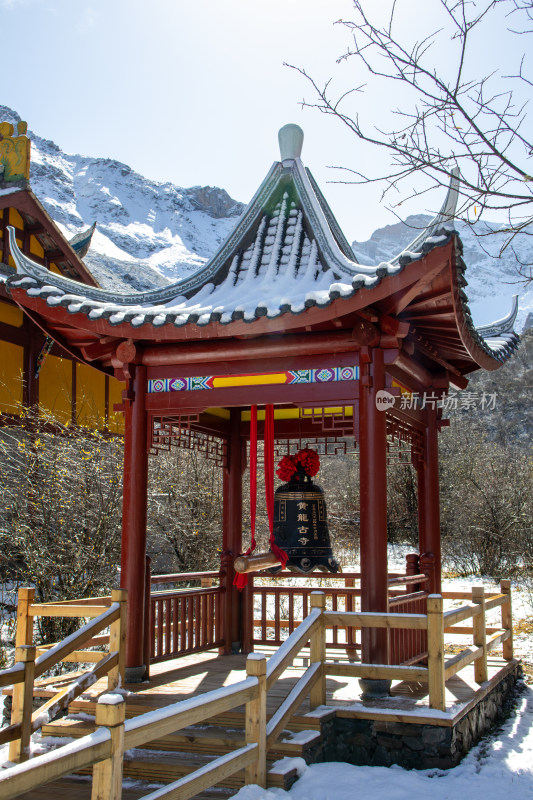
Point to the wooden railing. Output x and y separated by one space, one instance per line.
408 646
434 624
32 662
185 620
104 749
278 610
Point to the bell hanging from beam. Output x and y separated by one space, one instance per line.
300 515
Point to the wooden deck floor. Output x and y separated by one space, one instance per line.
179 679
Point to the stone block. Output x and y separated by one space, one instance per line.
413 742
390 742
433 735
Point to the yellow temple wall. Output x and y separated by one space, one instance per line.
59 377
11 377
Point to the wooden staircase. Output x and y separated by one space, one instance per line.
171 757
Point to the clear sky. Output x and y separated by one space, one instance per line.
194 91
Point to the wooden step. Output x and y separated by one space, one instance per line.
81 789
162 767
210 739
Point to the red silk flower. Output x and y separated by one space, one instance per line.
307 460
286 468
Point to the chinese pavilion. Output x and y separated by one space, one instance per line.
282 314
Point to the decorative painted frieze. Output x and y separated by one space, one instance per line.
321 375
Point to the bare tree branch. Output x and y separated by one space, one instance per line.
478 124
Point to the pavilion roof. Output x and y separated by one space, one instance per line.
285 257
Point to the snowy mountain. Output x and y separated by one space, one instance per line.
492 282
148 234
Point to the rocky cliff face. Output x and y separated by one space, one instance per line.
148 233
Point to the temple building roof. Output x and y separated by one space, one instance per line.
36 231
285 261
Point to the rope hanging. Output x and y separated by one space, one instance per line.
241 579
280 554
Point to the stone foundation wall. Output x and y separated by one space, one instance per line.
415 746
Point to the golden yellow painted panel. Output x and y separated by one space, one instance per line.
11 315
90 397
11 370
15 219
249 380
55 388
116 418
54 268
223 413
297 413
36 247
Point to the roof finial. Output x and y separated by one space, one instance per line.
291 139
14 154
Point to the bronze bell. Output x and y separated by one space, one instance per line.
300 526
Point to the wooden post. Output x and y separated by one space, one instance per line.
248 616
351 649
147 638
421 497
107 775
24 633
256 720
23 638
437 691
507 620
427 567
19 750
317 693
480 635
117 641
232 533
134 501
373 503
412 567
412 564
431 503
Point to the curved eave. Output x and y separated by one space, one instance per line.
81 242
441 224
475 343
25 202
441 321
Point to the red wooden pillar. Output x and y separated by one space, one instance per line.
421 474
133 561
431 496
373 505
232 533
